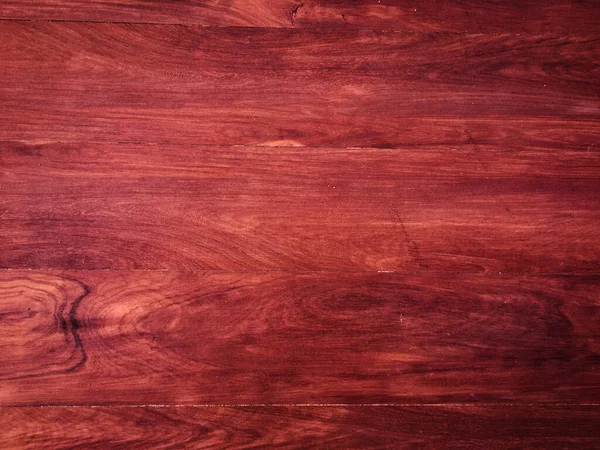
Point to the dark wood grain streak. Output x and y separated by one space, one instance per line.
340 88
537 16
106 337
456 426
105 206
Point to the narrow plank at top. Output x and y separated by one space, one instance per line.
538 16
337 88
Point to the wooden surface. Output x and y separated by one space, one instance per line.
278 338
270 87
460 16
299 224
338 427
107 206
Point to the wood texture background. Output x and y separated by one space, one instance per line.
299 224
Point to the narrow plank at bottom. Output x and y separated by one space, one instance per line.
130 337
339 427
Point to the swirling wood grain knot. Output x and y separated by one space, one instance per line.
39 326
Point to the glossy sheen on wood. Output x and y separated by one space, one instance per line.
457 426
534 16
340 88
95 206
109 337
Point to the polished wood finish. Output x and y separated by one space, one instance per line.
299 224
93 206
460 16
139 337
285 87
337 427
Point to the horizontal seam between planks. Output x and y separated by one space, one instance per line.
300 405
455 147
306 272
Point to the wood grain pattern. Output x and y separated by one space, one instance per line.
299 224
489 426
105 206
534 16
105 337
340 88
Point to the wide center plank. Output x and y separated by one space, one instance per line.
125 206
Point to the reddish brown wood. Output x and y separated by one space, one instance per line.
462 16
456 426
340 88
318 233
114 337
93 206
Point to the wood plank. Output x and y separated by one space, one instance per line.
114 337
107 206
340 88
341 427
534 16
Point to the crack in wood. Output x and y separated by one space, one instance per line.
295 12
412 246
